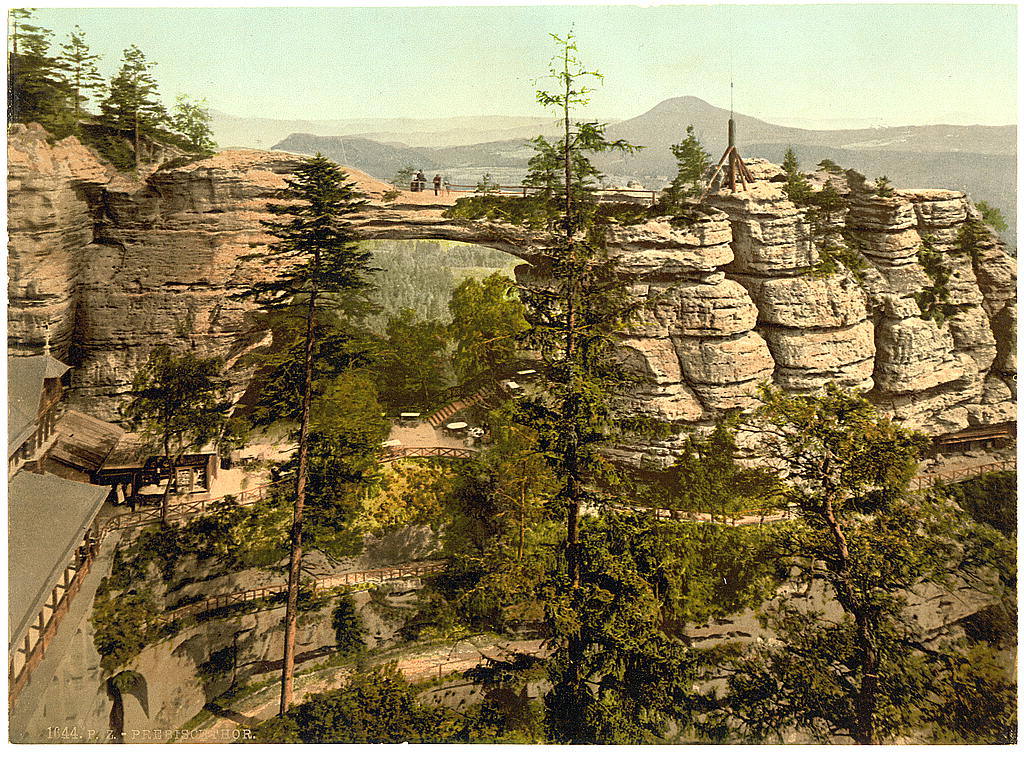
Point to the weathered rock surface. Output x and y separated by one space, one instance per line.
110 267
49 226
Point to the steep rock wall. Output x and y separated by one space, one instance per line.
111 267
868 332
50 227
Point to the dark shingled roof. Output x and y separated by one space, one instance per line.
47 519
25 377
84 441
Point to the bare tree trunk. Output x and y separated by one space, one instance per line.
295 561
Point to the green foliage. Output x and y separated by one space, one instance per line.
973 238
422 274
827 165
498 540
178 401
339 346
346 429
191 118
78 66
375 706
883 187
36 89
412 364
693 164
123 624
487 319
115 150
315 251
619 677
132 104
705 479
486 185
933 300
529 211
797 188
990 499
412 492
864 675
976 698
831 258
992 216
348 632
403 177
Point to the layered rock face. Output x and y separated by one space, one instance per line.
694 341
50 225
111 267
167 265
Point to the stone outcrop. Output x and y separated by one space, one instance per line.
109 267
50 225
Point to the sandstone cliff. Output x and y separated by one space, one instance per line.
108 267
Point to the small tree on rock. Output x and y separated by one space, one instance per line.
191 118
693 164
132 103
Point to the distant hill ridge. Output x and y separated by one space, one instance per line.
978 159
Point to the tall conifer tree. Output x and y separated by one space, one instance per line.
132 102
316 257
78 64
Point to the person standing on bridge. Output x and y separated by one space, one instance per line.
421 181
437 184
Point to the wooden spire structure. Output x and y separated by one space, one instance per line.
731 166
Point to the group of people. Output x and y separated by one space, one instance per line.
419 182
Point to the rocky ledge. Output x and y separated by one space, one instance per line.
107 266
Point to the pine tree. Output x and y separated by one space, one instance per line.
191 118
575 304
797 188
78 64
132 104
36 90
693 163
317 259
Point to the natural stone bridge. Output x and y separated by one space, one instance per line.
112 267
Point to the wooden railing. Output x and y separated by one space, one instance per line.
648 197
422 452
956 476
319 584
47 625
181 510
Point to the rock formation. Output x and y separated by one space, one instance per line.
108 267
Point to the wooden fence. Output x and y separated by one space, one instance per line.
46 626
422 452
641 194
955 476
319 584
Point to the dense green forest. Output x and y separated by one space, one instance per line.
422 274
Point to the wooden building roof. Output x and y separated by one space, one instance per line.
84 442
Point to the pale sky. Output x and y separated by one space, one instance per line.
798 65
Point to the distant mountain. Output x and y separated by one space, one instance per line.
979 159
259 133
666 123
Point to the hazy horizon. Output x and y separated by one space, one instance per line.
809 66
